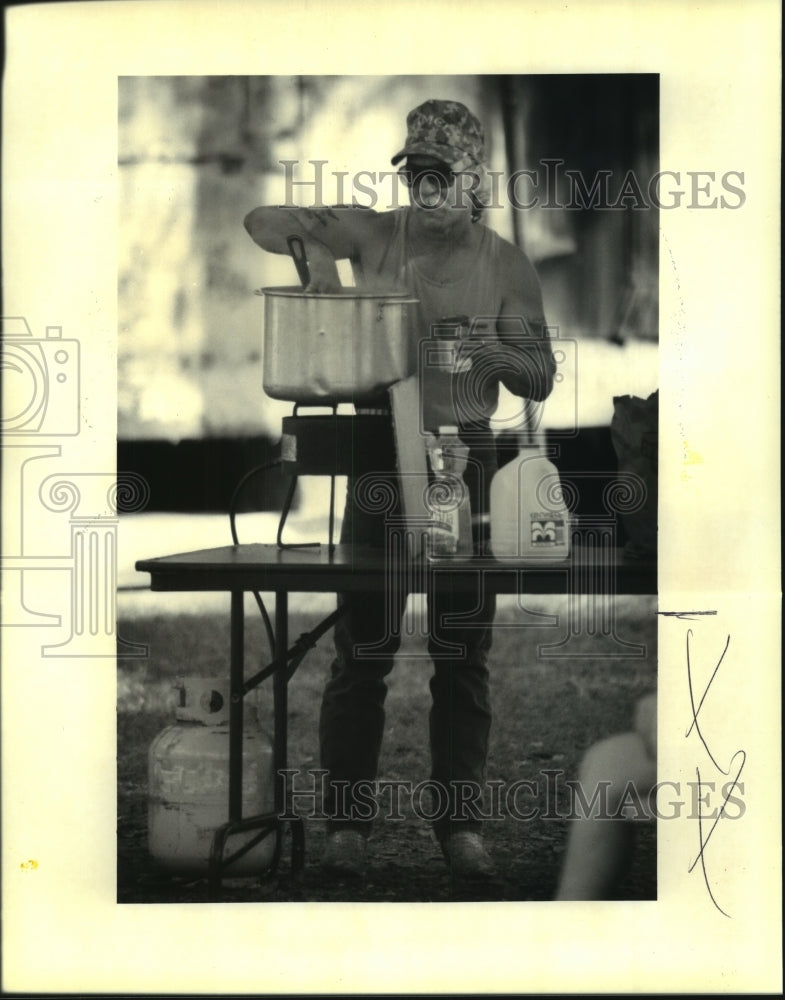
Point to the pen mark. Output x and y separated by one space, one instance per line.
701 855
685 615
729 788
695 711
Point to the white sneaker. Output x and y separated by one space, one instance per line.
466 856
345 853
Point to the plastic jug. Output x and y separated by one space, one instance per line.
529 519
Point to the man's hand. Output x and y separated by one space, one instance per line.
524 367
326 236
323 271
524 364
464 353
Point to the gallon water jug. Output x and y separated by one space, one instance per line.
529 519
188 772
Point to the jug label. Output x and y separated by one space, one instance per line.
443 531
548 529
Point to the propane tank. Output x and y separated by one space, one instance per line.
188 782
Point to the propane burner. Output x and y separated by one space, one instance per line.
330 445
320 445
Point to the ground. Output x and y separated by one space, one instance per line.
547 712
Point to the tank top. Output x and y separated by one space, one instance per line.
474 293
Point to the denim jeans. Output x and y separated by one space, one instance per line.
352 716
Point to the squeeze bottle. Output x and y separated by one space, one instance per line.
450 531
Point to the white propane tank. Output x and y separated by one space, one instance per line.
529 519
188 782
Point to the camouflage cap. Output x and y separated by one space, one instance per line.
446 130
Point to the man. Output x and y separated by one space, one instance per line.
438 251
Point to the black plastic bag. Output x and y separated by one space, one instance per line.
635 440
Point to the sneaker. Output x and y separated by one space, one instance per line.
345 853
466 856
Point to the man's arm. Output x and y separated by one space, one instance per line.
328 234
525 358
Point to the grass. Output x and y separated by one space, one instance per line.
547 712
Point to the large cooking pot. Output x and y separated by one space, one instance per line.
341 347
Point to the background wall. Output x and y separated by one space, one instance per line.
196 153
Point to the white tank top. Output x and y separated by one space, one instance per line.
474 293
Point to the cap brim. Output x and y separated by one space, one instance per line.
447 154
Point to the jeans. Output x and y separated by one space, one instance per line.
351 724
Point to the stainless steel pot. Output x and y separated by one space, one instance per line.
336 348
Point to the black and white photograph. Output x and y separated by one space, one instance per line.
468 418
390 507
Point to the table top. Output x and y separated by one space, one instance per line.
355 569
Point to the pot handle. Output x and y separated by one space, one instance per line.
394 302
297 250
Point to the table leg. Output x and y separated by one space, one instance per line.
237 662
280 738
280 696
281 734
